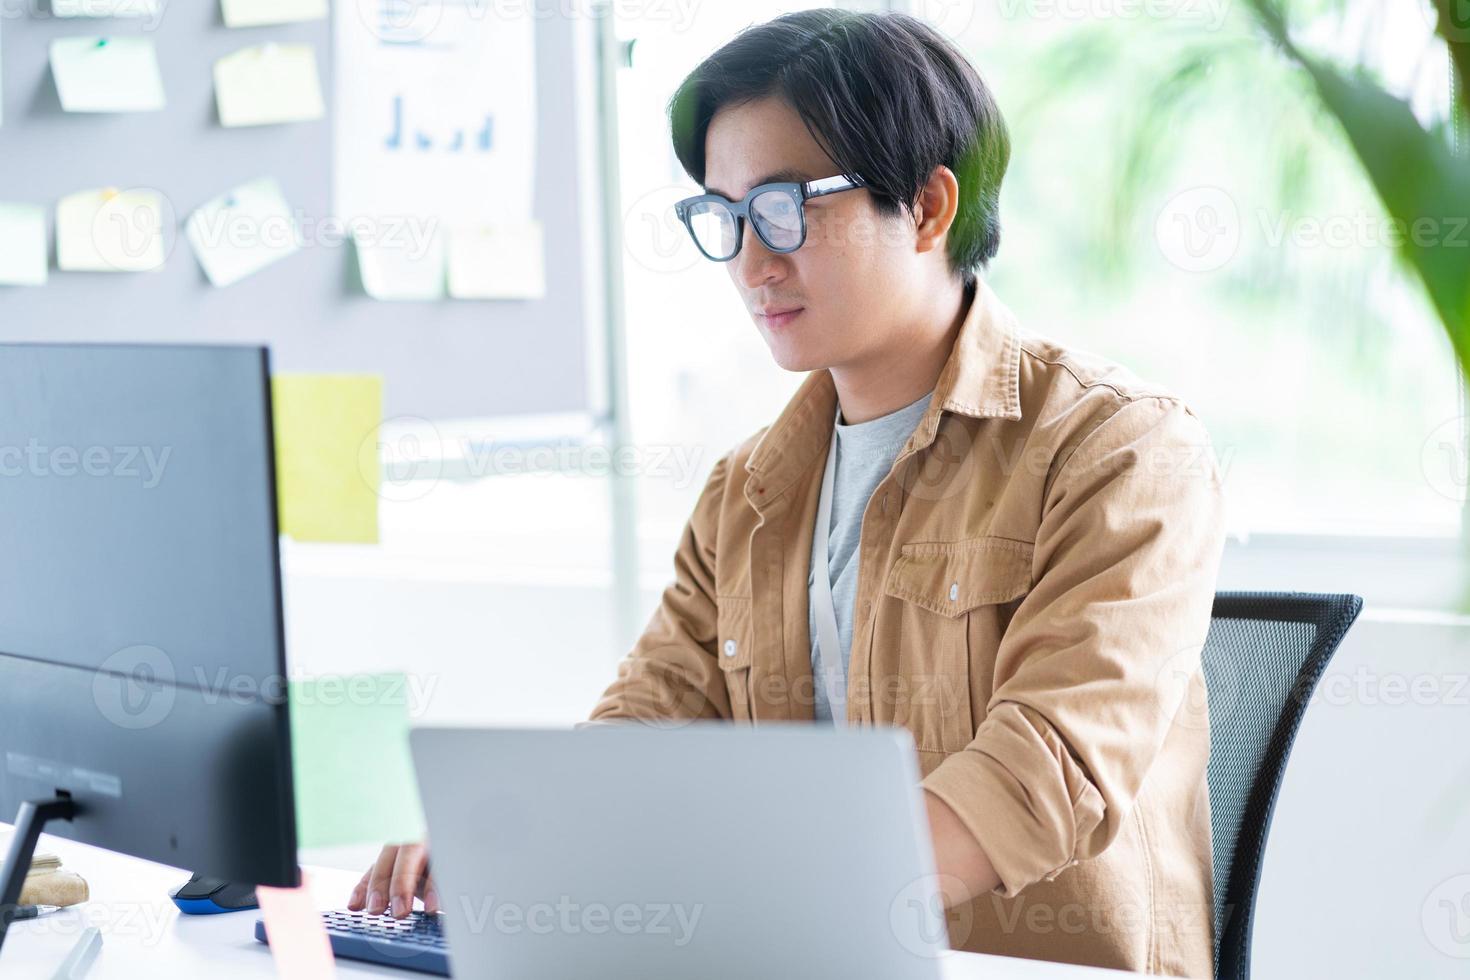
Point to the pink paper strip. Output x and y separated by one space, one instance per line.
298 939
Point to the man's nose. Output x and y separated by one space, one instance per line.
757 264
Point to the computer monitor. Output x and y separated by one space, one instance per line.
142 653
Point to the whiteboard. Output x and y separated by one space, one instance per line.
440 360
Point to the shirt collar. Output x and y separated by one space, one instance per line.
980 379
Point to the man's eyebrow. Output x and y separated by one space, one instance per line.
780 176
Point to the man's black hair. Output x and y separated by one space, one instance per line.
885 95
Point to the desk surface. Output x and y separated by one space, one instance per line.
144 934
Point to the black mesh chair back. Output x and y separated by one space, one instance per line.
1263 658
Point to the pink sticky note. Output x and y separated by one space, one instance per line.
298 939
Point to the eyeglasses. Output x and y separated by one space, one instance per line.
777 212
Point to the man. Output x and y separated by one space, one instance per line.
1005 546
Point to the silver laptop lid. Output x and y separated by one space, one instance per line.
707 850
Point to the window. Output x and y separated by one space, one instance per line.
1176 201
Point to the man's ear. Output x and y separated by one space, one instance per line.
935 209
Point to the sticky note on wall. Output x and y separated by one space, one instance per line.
353 771
241 232
22 245
107 74
258 13
501 262
106 8
327 469
107 230
401 267
266 84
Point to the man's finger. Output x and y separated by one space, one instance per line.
382 873
358 898
408 874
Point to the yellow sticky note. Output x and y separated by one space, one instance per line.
260 13
107 230
400 267
22 245
268 83
107 74
296 933
327 469
500 262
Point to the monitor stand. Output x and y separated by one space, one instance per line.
33 815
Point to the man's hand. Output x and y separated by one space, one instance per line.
963 867
401 872
400 875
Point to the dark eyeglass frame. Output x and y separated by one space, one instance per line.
798 192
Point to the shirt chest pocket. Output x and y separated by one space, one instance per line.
937 634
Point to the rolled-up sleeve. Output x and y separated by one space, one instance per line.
672 672
1086 691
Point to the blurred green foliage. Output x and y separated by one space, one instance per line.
1421 180
1314 348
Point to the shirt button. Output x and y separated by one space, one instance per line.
867 608
954 591
730 648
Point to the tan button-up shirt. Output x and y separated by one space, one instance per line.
1035 582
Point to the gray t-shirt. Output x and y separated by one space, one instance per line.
865 454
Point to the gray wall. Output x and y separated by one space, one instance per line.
441 360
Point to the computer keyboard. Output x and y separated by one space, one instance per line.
412 943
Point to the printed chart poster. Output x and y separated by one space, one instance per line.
435 111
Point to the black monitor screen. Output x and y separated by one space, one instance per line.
141 653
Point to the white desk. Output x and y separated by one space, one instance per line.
145 936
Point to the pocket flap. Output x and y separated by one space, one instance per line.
953 577
733 633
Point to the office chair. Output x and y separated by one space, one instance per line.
1263 657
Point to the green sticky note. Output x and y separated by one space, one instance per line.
107 74
327 469
353 771
22 245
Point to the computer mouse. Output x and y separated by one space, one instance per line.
210 896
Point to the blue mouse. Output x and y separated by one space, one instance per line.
210 896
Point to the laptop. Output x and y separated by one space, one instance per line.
707 850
